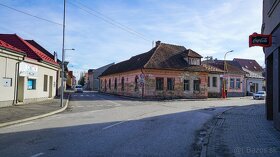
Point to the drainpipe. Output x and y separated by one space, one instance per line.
142 96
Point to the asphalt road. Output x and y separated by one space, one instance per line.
102 125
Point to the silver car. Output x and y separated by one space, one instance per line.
78 89
259 95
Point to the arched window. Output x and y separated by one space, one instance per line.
116 84
105 84
136 82
122 83
110 84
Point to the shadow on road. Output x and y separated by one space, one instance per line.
163 135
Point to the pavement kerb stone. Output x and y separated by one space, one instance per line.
203 152
37 117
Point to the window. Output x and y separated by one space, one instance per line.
186 85
170 83
116 85
194 61
231 83
208 81
122 83
101 84
214 81
45 83
105 84
136 82
238 83
109 83
196 85
159 83
31 84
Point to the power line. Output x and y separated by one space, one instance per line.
103 15
53 22
109 20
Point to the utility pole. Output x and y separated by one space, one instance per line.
224 93
63 55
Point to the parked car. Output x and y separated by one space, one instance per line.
78 88
259 95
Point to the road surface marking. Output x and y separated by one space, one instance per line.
36 155
117 104
24 124
81 95
107 127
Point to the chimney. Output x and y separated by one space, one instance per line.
157 43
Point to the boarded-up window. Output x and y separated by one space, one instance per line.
45 83
208 81
159 83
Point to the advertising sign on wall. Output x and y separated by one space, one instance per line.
260 40
29 70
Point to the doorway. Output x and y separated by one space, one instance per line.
50 87
20 94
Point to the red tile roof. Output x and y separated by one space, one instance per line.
10 47
249 64
26 47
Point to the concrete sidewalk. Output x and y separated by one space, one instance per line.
26 112
241 132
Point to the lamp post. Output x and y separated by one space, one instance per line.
224 93
64 63
63 55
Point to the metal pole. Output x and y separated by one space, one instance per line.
225 70
63 55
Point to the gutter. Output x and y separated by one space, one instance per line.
142 96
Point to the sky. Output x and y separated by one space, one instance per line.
208 27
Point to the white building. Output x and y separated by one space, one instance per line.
26 73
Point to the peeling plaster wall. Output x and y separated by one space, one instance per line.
149 81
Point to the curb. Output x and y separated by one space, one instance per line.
203 152
36 117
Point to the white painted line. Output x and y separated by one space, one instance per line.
24 123
81 95
36 155
107 127
87 95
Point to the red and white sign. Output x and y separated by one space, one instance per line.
260 40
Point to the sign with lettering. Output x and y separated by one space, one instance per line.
260 40
29 70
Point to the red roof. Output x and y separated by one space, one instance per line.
8 46
249 64
26 47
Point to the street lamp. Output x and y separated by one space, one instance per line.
64 63
224 94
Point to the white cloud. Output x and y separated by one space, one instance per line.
208 27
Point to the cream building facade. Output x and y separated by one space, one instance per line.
26 74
